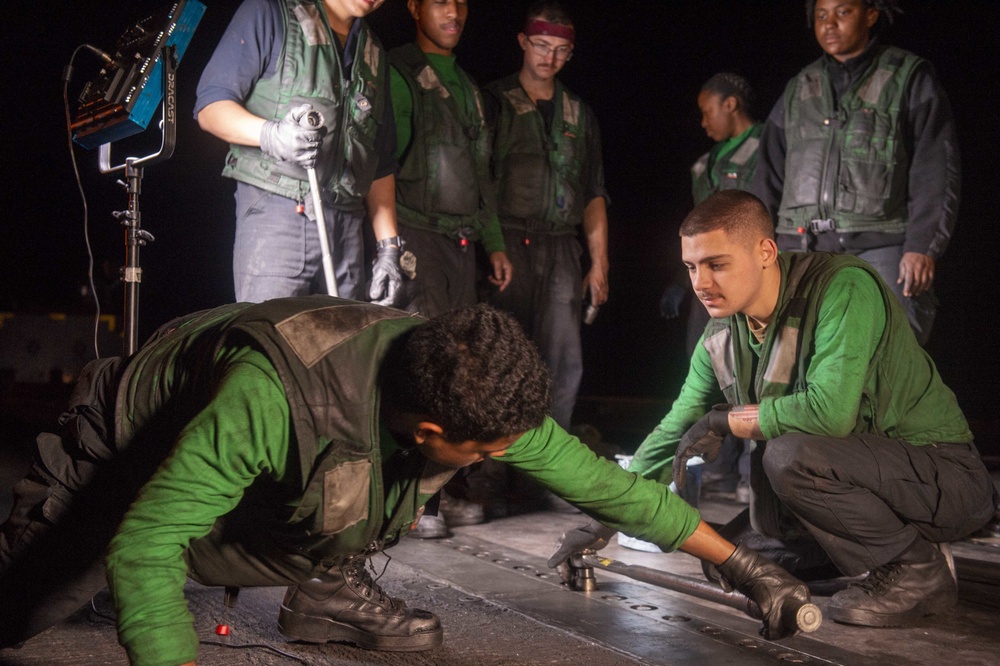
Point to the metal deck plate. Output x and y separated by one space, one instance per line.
654 626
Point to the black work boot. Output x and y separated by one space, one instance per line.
899 593
348 606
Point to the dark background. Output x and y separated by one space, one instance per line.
639 65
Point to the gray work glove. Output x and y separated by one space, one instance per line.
387 275
772 587
702 439
287 140
592 536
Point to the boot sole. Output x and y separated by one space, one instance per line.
312 629
933 605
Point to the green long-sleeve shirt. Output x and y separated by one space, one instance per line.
243 432
852 318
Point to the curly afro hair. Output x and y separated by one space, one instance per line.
474 372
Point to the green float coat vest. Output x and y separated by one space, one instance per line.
538 174
310 72
328 353
784 357
440 182
848 164
732 171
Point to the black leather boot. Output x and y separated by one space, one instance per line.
348 606
900 593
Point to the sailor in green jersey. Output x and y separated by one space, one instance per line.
444 194
725 105
282 444
860 448
550 194
724 102
551 199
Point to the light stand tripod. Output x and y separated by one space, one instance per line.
131 219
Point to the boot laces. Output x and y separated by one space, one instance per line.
880 579
357 573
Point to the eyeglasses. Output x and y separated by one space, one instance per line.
543 49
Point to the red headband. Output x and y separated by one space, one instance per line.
550 30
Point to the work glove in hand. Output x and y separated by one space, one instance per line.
592 536
772 587
287 140
702 439
673 299
387 276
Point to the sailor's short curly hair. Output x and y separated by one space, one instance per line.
888 10
473 372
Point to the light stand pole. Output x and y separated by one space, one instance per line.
131 219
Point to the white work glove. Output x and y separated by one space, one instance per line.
294 138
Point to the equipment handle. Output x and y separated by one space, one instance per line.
313 119
807 617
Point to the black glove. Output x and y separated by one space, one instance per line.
672 299
592 536
773 588
387 276
287 140
702 439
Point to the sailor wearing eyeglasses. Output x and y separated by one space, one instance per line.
550 186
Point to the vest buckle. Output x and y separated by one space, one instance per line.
820 226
